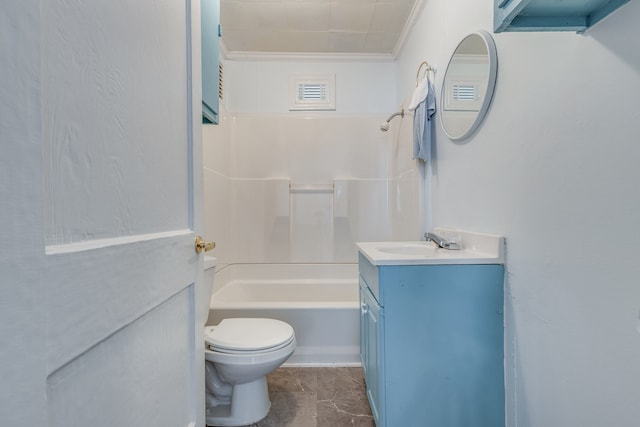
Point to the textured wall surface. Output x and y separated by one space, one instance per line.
554 169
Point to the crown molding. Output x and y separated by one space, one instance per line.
408 27
303 56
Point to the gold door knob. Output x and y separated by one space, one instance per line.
203 245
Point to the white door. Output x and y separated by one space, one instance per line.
101 310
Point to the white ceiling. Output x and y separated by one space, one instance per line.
369 27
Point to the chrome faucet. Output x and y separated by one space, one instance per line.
430 237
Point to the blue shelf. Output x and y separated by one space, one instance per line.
549 15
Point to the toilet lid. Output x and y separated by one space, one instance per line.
249 334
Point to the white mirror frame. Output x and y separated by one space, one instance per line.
493 71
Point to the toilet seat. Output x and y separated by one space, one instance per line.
243 336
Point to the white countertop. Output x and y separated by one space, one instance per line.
476 248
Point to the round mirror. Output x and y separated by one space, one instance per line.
468 85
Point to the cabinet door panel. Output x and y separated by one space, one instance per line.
363 328
374 358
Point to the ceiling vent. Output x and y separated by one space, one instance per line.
312 92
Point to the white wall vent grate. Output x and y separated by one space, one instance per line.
220 81
464 92
462 95
315 92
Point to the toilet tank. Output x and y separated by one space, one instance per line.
209 264
208 277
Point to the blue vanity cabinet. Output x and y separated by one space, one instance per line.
432 344
551 15
210 33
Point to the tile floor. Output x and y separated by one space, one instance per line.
317 397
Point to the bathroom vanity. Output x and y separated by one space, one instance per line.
431 332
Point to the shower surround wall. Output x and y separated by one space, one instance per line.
302 187
283 188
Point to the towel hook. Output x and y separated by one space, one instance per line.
429 68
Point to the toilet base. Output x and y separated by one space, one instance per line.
249 404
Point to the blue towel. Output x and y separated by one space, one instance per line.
423 118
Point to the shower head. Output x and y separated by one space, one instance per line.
385 125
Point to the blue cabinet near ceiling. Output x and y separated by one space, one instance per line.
210 33
431 344
551 15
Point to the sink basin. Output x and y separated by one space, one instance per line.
414 249
476 248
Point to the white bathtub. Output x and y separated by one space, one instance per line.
320 302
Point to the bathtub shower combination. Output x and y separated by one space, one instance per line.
286 198
320 302
291 256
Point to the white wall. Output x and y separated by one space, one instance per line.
263 86
554 169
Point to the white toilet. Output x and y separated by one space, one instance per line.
239 353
